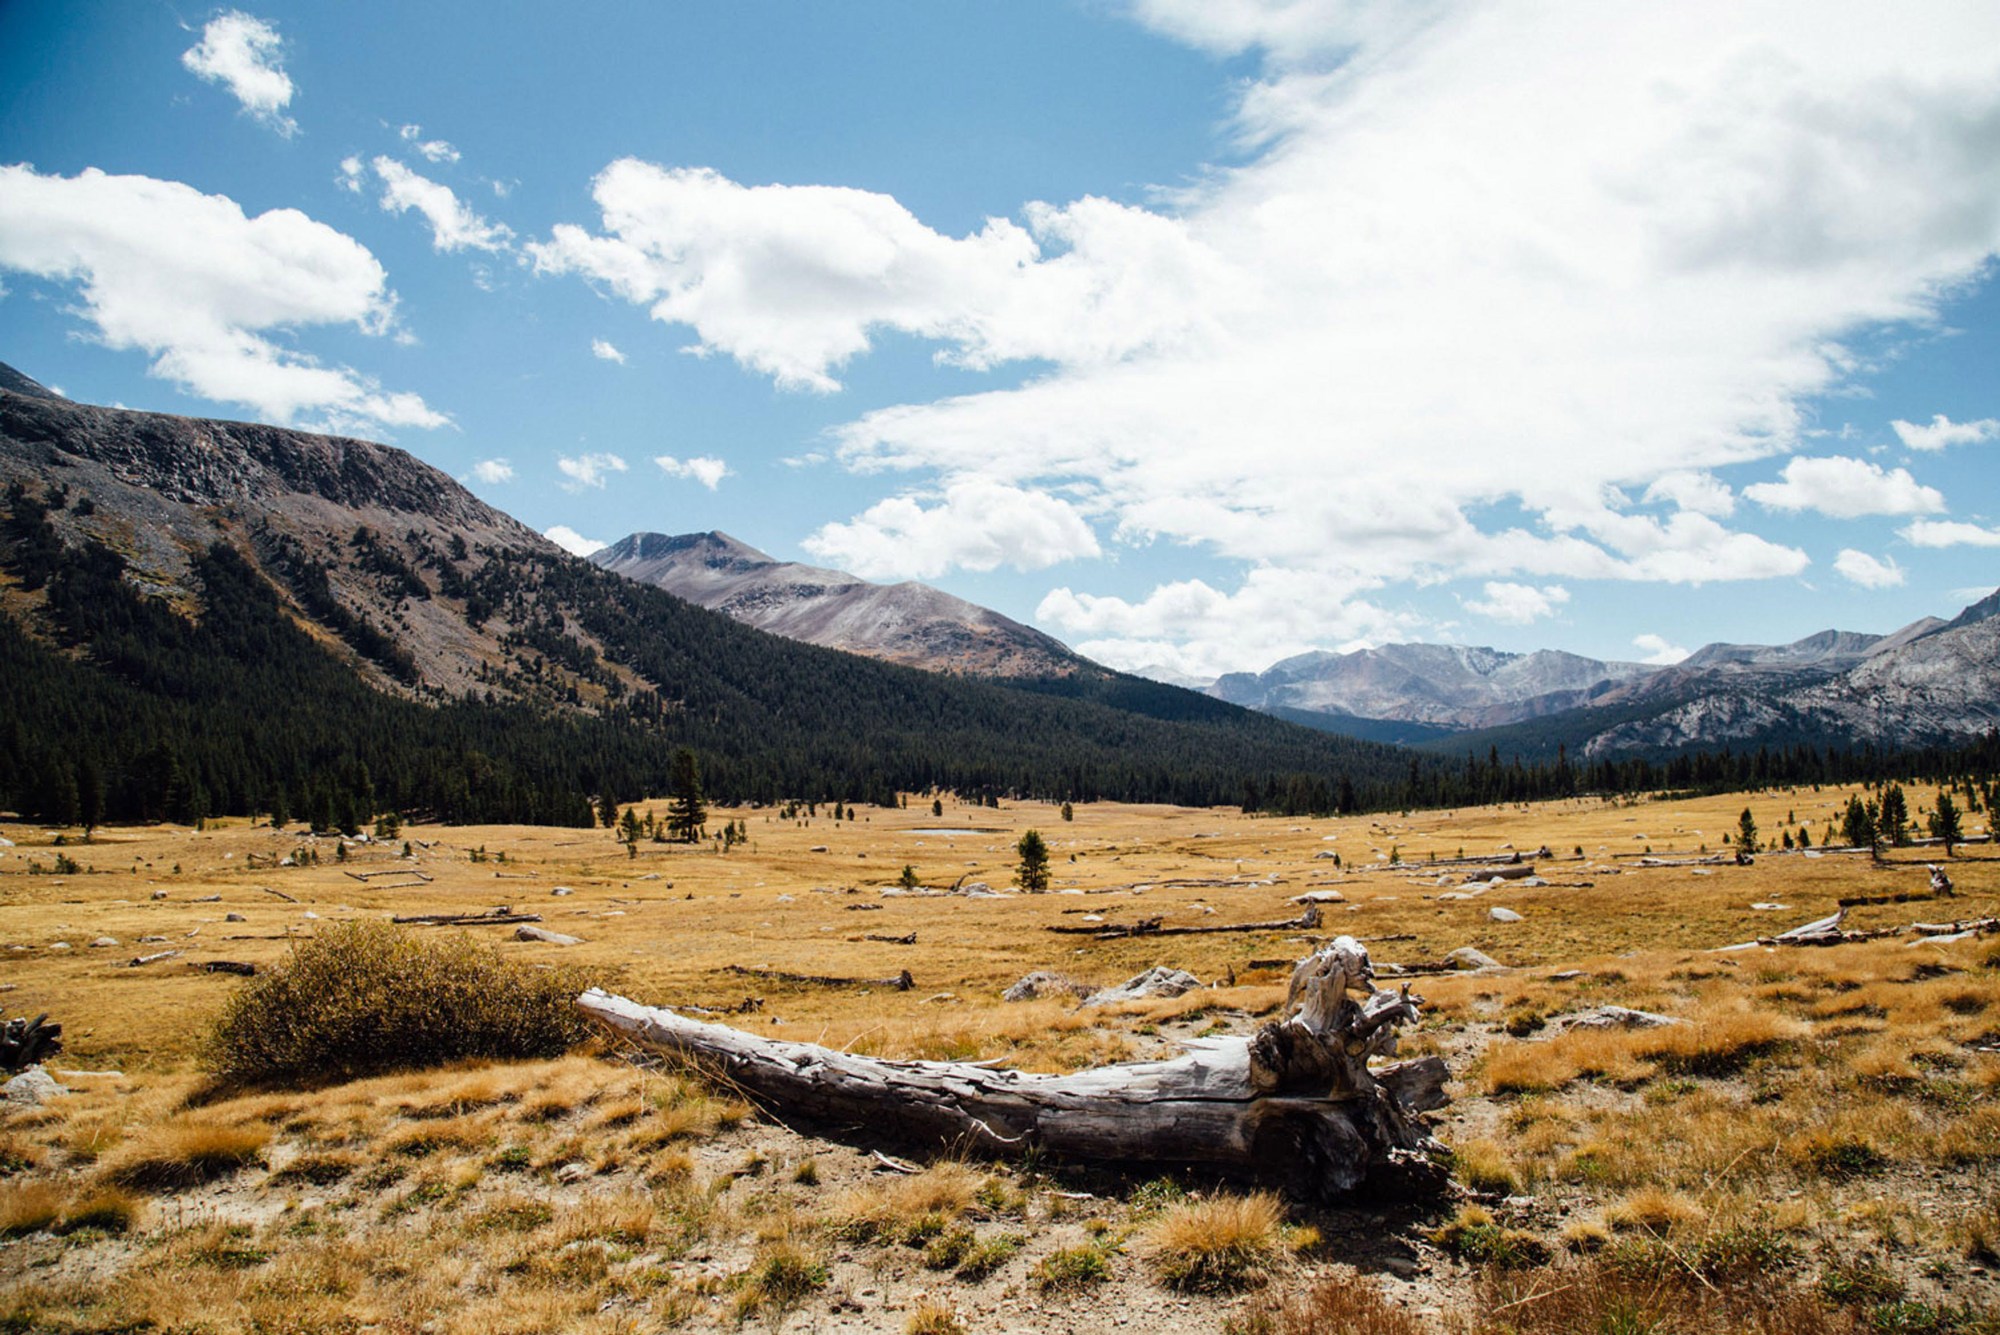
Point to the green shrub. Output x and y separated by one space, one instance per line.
365 998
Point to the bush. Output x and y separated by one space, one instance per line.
366 998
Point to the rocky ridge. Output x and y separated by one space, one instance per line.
908 623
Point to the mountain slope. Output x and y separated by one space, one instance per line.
258 615
907 623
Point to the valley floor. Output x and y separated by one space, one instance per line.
1816 1147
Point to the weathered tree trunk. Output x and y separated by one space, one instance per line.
1296 1106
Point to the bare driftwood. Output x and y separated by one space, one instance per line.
279 893
907 939
491 918
1295 1105
902 982
154 958
24 1042
227 966
1305 922
1980 925
365 876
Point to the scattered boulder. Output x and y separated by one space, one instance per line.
1320 897
1044 983
562 890
1499 914
1466 957
546 937
103 941
32 1088
1619 1017
1158 981
159 894
234 917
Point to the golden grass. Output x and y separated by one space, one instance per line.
26 1207
185 1152
1217 1245
890 1207
933 1316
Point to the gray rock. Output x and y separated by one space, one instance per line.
1465 957
103 941
546 937
1499 914
31 1088
1158 981
234 917
1045 983
1619 1017
562 890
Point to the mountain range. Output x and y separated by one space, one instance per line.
907 623
1934 682
224 616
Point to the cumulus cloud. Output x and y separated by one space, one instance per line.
1949 533
1658 649
567 538
793 281
243 54
973 525
432 150
702 468
1475 261
1845 488
1196 630
588 470
453 225
1518 604
1942 431
193 282
493 471
1701 493
603 351
1870 573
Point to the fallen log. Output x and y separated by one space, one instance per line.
279 893
1305 922
143 960
1294 1106
1980 925
902 982
237 967
393 871
1887 897
907 939
491 918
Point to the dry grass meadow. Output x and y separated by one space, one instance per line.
1817 1148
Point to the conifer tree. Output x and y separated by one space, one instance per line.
1033 873
687 809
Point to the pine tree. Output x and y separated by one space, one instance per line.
1033 873
1068 811
1945 823
1746 834
1894 822
687 809
629 828
937 806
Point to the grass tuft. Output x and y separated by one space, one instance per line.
185 1152
1216 1246
1069 1269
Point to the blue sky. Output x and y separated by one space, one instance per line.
1196 333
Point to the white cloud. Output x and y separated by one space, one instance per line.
1475 261
793 280
433 150
242 53
353 176
1949 533
571 541
1943 431
453 225
1701 493
588 470
1846 488
603 351
1868 572
190 280
493 471
1658 649
974 525
702 468
1517 604
1199 631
